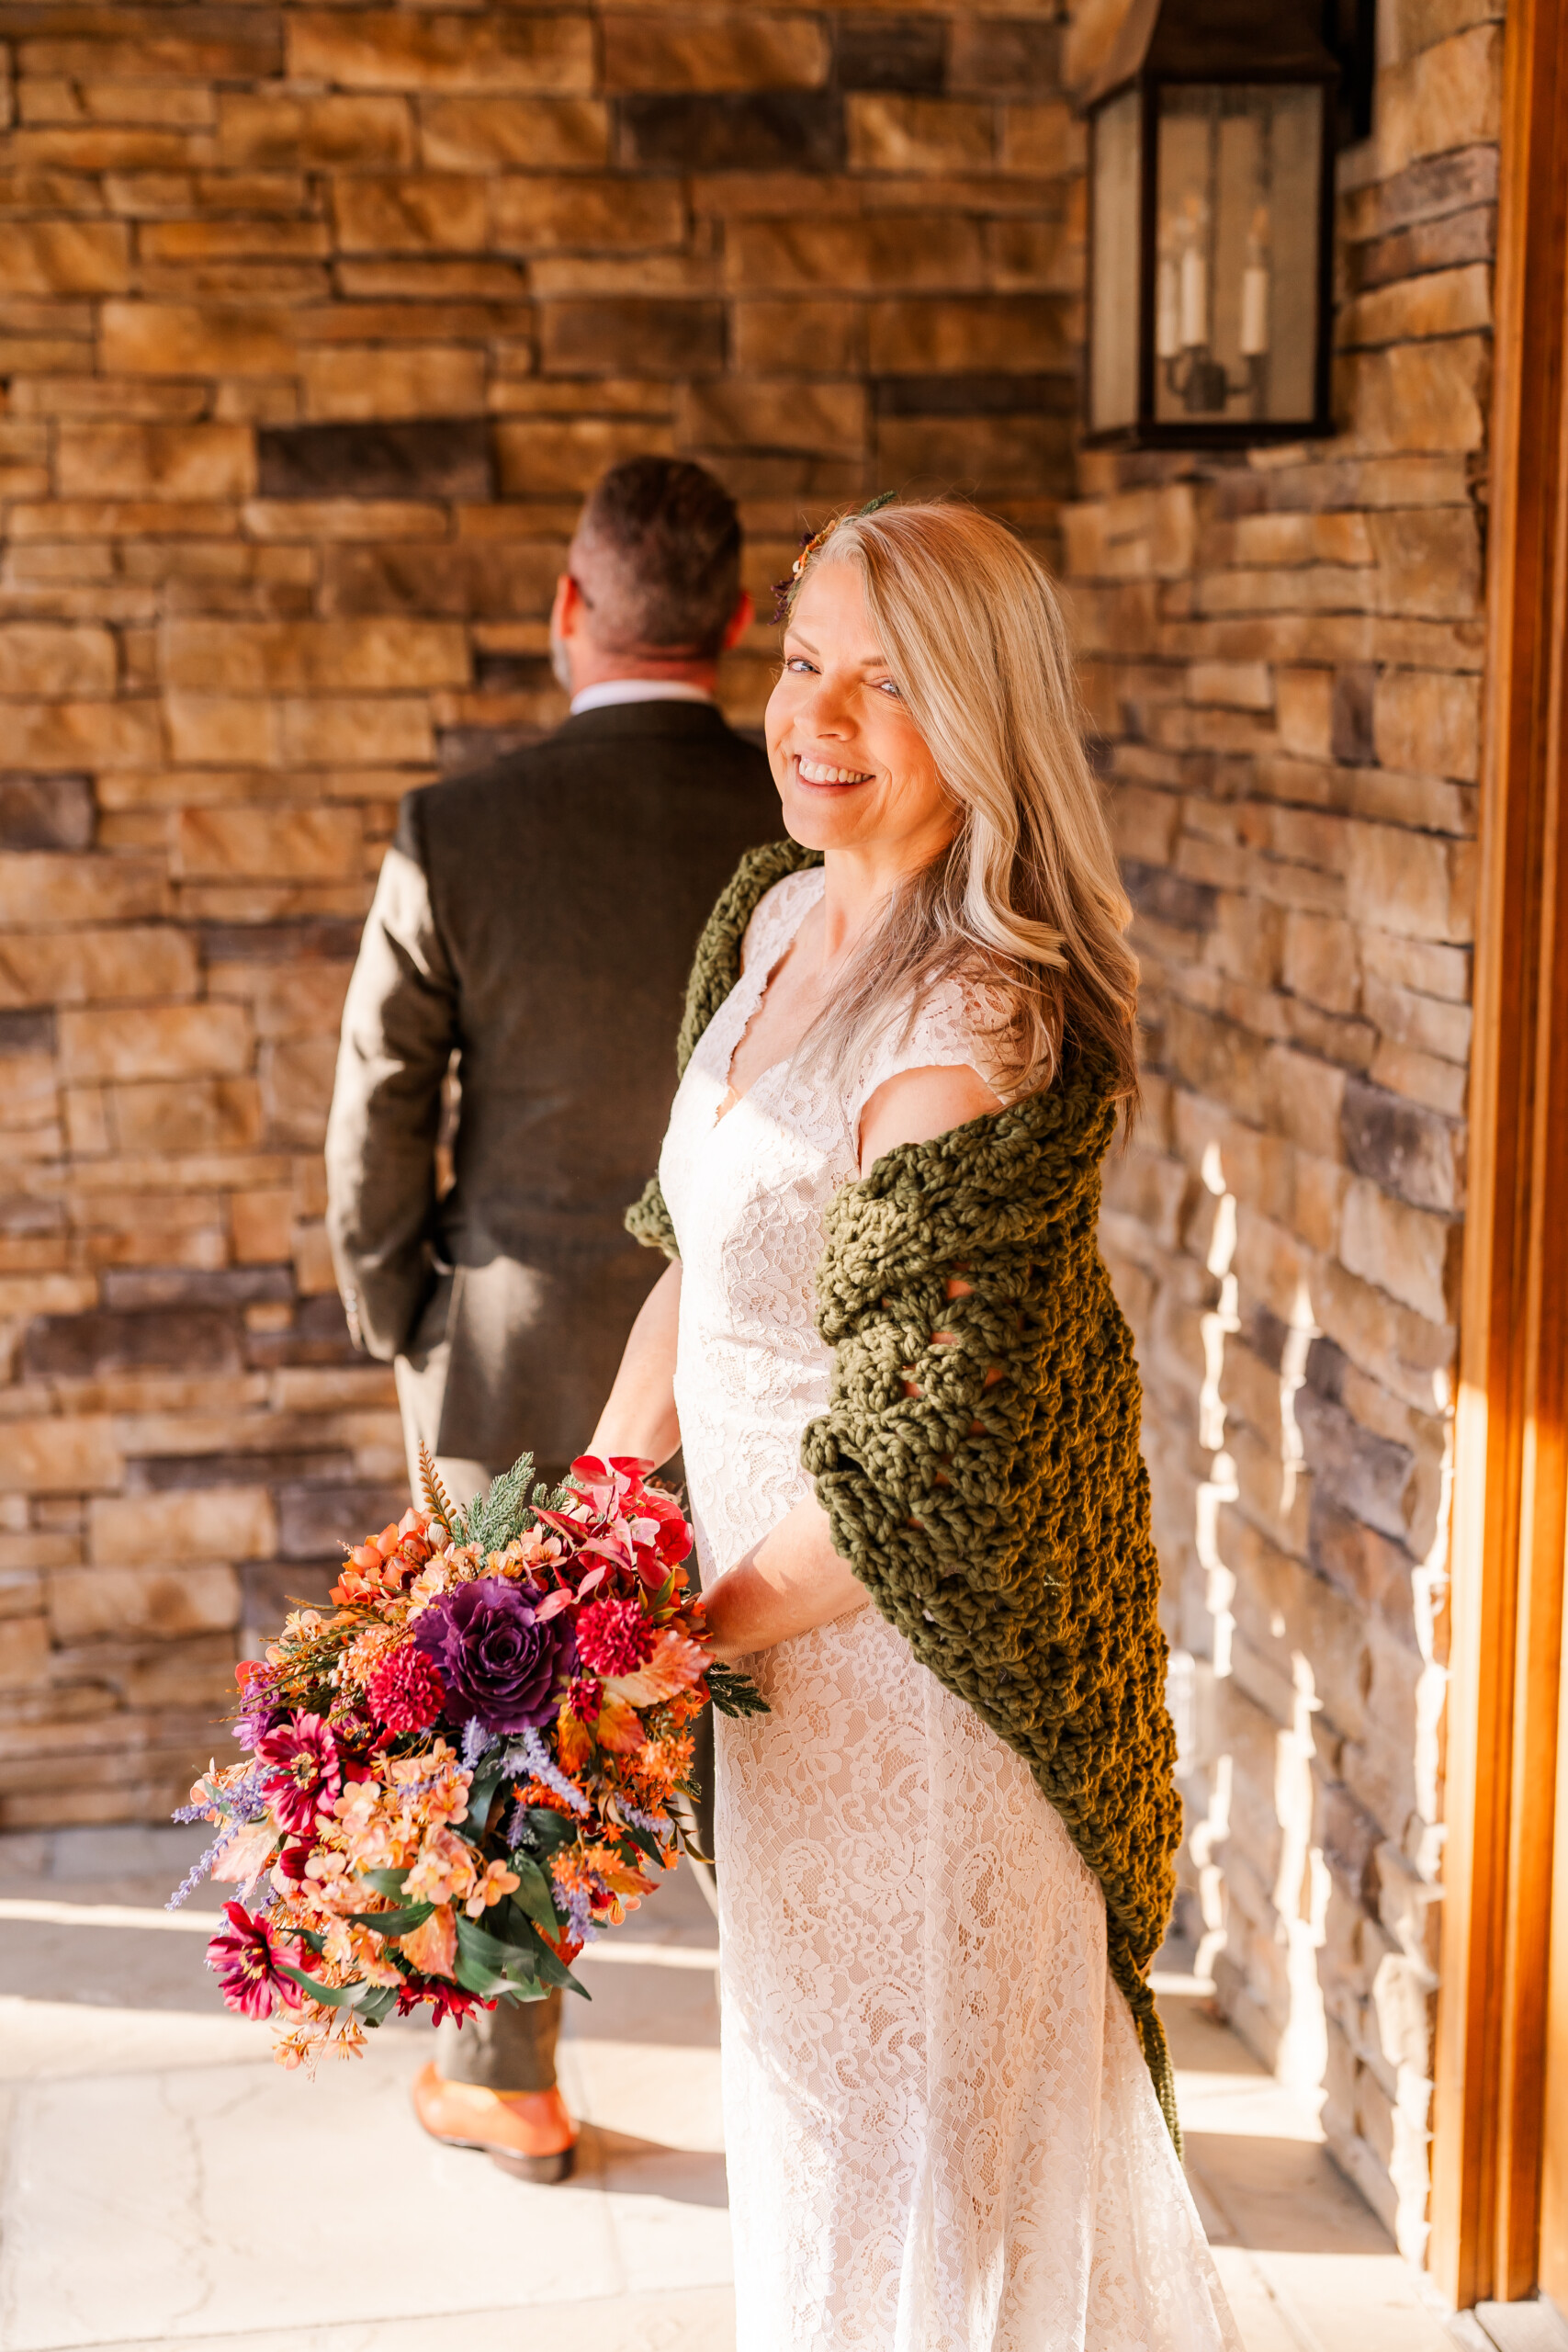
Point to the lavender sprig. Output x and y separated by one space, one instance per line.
476 1739
533 1754
240 1806
578 1906
197 1872
245 1803
657 1824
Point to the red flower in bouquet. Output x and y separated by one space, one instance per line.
302 1772
670 1536
246 1956
442 1999
501 1660
405 1692
613 1636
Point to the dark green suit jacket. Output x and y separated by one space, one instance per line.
540 918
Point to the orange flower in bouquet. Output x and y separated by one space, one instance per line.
469 1768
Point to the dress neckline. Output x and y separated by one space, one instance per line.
731 1101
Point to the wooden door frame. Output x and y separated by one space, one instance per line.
1511 1458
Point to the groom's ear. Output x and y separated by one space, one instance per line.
567 611
739 620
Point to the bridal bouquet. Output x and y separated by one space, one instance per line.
464 1772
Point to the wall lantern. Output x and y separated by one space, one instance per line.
1211 223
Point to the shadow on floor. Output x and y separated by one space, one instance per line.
629 2167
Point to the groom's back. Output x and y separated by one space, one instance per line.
538 919
569 883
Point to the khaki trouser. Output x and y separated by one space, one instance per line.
510 2047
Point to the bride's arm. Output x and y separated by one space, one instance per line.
793 1579
789 1581
639 1417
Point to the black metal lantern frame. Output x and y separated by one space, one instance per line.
1222 78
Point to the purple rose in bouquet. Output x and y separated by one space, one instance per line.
498 1659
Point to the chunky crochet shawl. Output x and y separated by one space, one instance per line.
1001 1524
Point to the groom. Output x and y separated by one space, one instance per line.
531 932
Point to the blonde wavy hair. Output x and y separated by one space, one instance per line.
1026 901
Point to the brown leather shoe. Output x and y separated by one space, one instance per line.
527 2134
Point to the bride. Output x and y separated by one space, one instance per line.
943 2078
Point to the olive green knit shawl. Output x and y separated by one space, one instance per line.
1003 1529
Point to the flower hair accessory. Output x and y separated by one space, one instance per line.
784 590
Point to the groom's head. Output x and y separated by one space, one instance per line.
653 587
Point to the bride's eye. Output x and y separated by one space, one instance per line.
799 662
890 686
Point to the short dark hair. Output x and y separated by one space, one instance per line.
660 540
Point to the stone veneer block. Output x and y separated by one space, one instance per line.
907 53
441 459
45 812
271 131
899 133
540 214
757 131
1007 57
196 339
45 658
565 460
918 336
657 337
369 381
730 413
410 213
162 1041
816 337
151 460
385 49
62 257
757 50
480 134
40 889
865 257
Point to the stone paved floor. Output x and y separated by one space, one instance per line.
162 2184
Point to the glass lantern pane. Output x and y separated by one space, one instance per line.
1114 325
1235 300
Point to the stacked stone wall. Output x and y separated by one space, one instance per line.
315 323
1283 659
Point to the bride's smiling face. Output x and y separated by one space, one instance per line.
853 769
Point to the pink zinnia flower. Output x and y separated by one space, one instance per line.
613 1636
246 1957
405 1693
303 1772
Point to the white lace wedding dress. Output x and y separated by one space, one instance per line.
942 2134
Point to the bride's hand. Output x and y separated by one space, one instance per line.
786 1584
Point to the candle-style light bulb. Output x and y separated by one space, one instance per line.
1167 324
1195 276
1255 289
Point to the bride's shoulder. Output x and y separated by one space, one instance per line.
951 1023
959 1014
778 912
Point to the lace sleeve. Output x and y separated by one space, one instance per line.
946 1031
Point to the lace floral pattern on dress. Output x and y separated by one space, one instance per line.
942 2134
